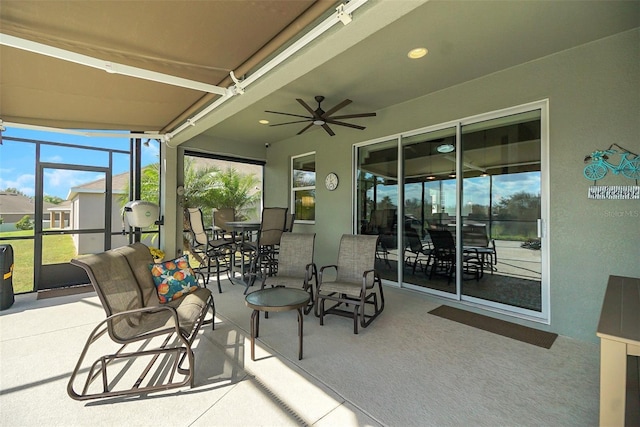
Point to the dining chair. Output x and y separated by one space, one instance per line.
288 227
485 247
209 252
263 251
416 248
444 257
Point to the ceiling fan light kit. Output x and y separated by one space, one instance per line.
445 148
319 117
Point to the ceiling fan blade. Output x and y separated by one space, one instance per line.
337 107
306 127
353 116
328 129
306 107
288 114
289 123
335 122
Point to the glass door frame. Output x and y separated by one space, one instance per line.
65 274
543 233
544 315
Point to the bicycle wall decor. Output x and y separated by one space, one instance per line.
599 163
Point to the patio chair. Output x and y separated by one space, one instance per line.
415 247
485 247
295 265
162 334
444 257
357 289
288 227
220 218
272 225
209 252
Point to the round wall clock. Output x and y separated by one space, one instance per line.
331 181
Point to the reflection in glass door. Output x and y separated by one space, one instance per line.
429 161
377 202
501 206
471 203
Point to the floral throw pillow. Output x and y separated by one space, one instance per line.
173 279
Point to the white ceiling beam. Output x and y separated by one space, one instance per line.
89 134
108 66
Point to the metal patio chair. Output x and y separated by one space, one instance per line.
149 334
444 257
415 247
265 248
295 265
209 252
357 284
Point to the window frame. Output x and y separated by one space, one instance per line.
294 189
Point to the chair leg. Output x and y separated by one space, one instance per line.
311 305
218 274
355 318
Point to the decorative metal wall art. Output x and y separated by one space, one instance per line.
600 162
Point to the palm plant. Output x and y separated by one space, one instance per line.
206 187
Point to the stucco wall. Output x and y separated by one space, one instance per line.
594 101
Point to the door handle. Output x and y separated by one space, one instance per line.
540 228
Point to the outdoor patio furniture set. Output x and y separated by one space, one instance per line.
437 256
161 306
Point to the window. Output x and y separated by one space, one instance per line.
303 187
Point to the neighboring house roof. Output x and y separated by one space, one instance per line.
14 204
62 207
120 184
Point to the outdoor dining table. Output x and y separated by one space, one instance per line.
241 232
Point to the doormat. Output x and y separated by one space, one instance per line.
62 292
497 326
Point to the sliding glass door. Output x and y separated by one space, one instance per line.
501 199
430 203
466 221
377 202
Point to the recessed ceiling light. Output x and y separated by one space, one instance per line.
418 52
263 122
445 148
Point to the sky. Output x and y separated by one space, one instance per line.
476 190
17 160
17 167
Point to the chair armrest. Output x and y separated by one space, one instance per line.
148 310
310 271
322 271
366 275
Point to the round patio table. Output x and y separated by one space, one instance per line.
276 299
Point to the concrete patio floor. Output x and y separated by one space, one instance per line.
405 378
41 342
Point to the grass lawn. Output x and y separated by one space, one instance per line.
56 249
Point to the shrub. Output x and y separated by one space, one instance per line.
25 223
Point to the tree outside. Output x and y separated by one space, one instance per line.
207 187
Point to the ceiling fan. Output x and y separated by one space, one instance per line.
319 117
